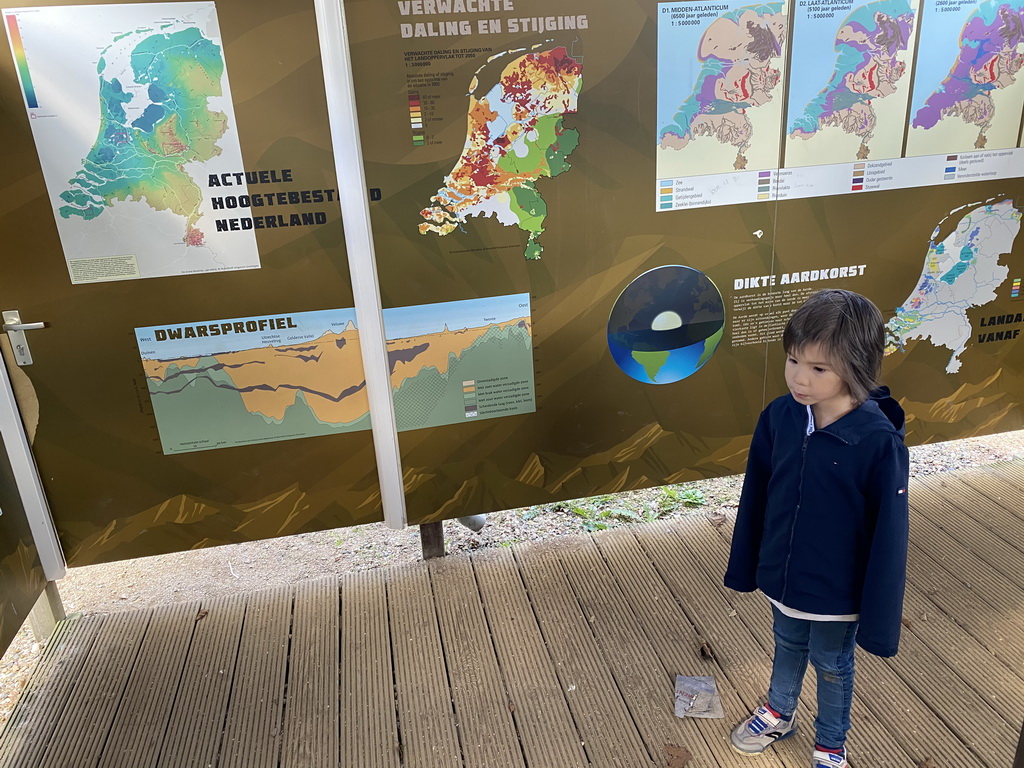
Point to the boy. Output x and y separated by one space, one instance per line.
822 523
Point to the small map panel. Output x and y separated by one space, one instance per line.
967 95
859 113
460 361
131 113
720 69
960 272
514 137
224 383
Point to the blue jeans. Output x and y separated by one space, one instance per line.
829 647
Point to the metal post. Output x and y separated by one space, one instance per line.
432 540
355 203
48 610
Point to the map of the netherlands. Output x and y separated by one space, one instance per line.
967 94
860 113
720 65
960 272
515 136
131 112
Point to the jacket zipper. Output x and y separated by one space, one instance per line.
796 513
799 503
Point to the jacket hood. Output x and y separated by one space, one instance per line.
879 413
891 409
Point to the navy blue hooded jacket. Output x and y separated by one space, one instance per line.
822 523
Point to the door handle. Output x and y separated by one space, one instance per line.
23 326
15 330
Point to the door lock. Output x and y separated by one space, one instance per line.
15 330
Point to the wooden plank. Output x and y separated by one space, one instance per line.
879 694
987 545
99 698
311 707
870 740
252 728
194 728
369 728
670 631
948 700
963 572
945 578
547 733
718 617
997 485
1009 472
138 729
990 514
85 722
429 738
610 737
27 733
988 677
647 687
483 717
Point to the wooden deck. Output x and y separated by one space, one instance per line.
561 655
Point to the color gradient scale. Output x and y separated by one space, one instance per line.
22 62
416 119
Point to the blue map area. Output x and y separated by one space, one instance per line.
850 57
685 91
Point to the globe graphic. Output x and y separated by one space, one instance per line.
666 324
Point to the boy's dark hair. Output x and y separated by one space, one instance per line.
850 332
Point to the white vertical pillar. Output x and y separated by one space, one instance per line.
37 510
355 211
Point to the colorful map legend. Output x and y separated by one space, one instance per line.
18 48
665 195
838 179
416 118
1015 289
469 396
950 172
857 182
717 189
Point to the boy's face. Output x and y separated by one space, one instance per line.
813 381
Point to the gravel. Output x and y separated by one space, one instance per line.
196 575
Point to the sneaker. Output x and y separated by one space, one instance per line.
829 759
760 731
